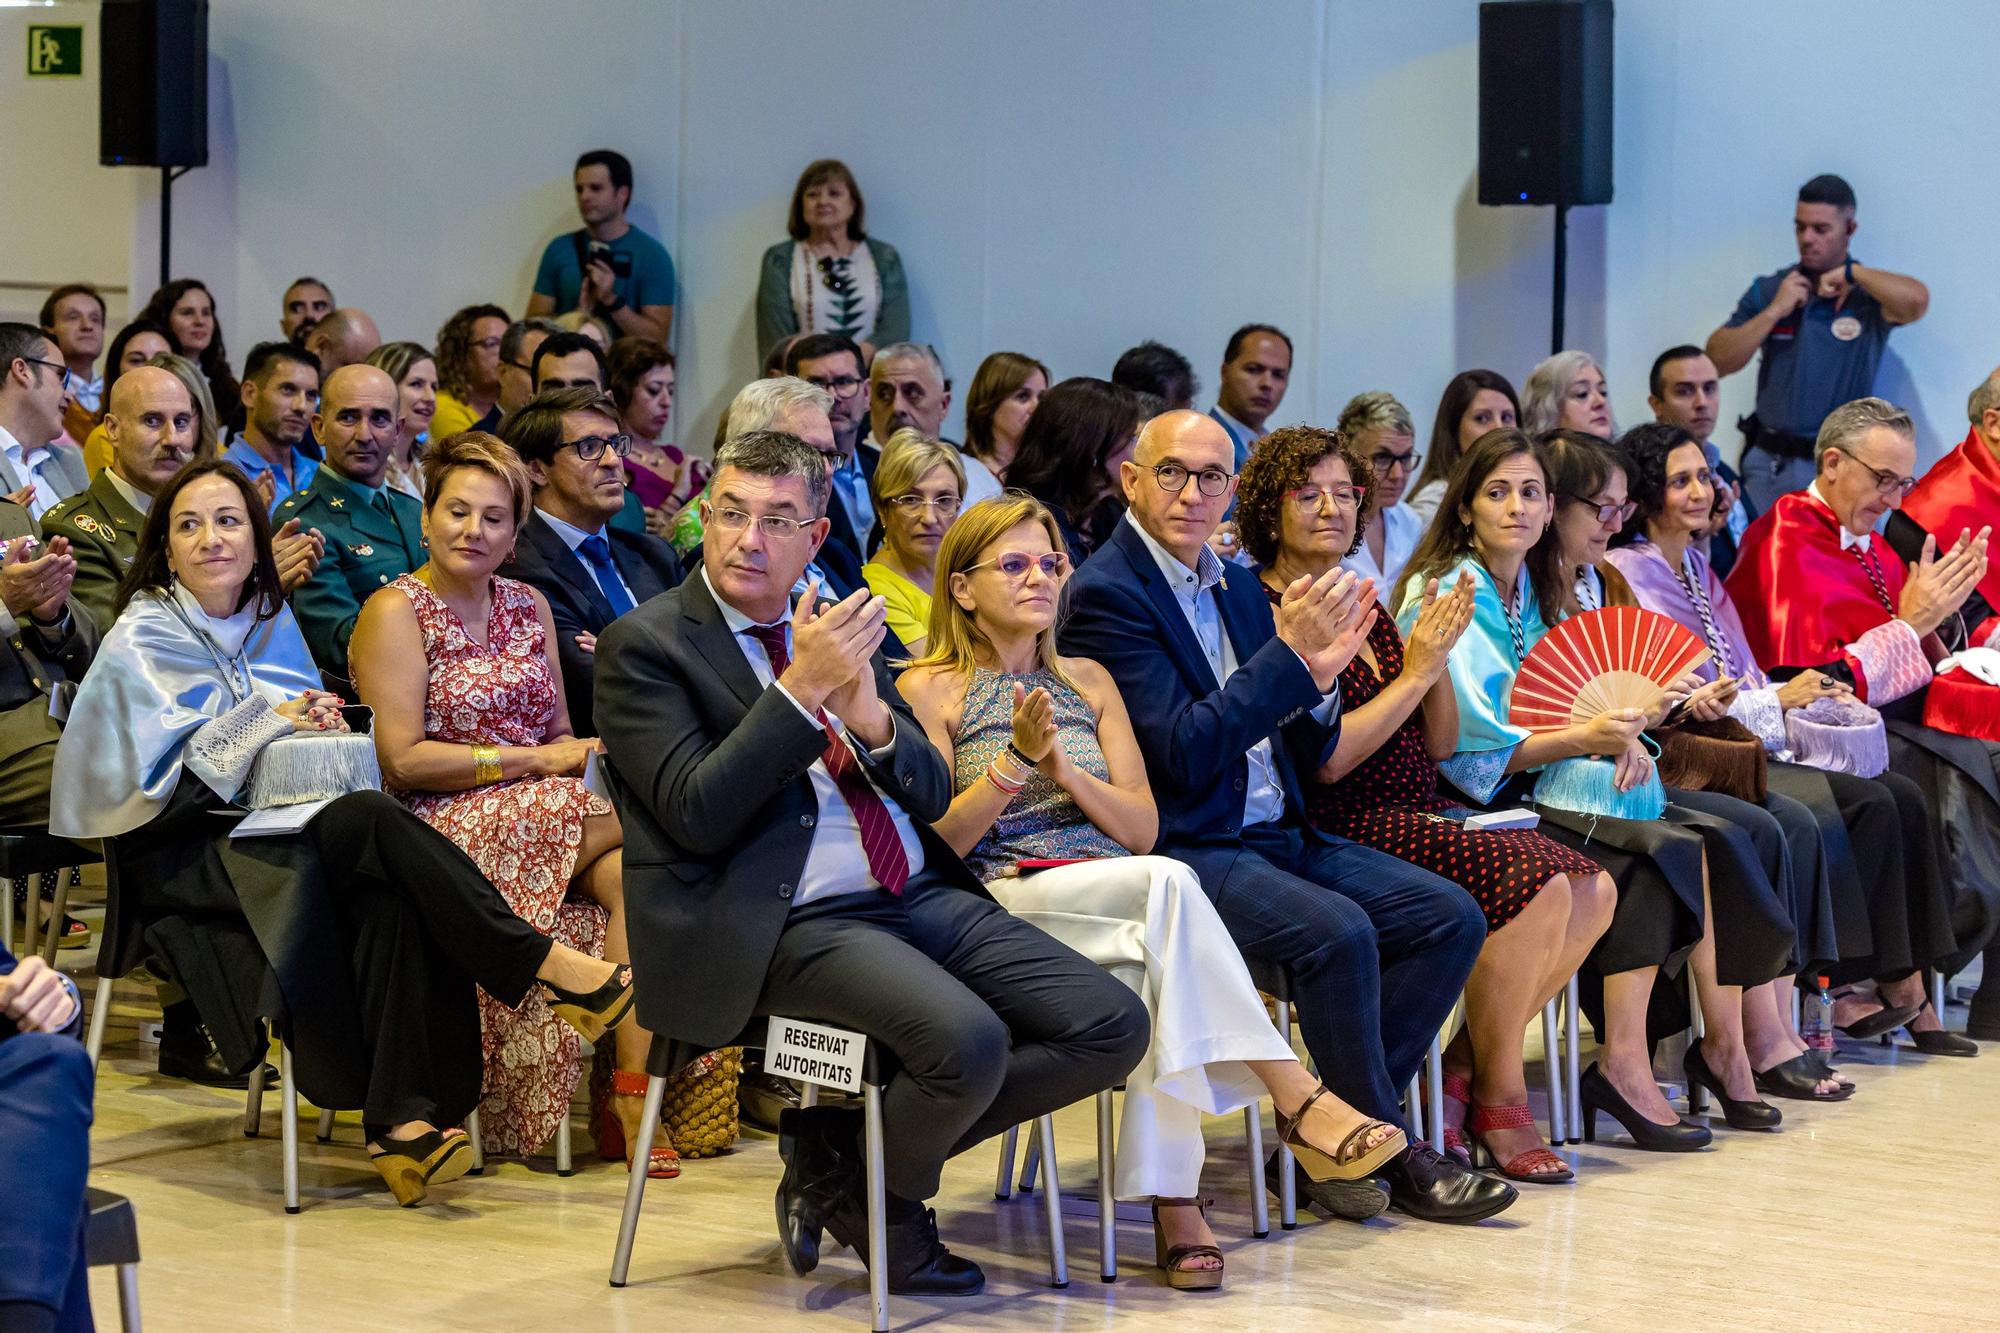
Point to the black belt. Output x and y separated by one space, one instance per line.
1756 435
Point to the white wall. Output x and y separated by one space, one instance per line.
1066 179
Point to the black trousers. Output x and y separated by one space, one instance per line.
991 1022
45 1092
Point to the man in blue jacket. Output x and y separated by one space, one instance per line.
1230 704
45 1092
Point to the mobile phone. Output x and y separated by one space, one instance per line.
1675 713
598 252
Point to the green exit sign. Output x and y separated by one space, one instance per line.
55 52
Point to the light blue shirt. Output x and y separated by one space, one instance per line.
573 537
1264 796
851 483
283 481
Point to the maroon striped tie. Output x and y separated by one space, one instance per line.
879 841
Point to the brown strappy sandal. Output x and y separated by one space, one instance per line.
1171 1260
1353 1159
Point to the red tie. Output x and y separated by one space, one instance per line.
879 842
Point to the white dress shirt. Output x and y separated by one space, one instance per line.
22 470
836 862
573 537
1263 796
1401 527
1847 539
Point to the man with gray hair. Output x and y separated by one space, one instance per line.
907 386
794 407
1817 589
778 798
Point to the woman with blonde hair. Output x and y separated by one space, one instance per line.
415 371
1053 812
1005 391
918 487
1567 391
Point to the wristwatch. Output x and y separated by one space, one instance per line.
617 303
1850 270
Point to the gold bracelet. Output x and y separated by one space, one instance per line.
485 764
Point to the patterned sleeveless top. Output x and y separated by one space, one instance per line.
1044 820
499 693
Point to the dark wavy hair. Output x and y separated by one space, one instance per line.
1076 427
454 348
214 358
150 569
116 354
818 173
1448 539
1646 449
1282 462
1442 455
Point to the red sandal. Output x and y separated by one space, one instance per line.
1458 1090
663 1163
1523 1165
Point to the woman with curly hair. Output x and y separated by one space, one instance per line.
1302 505
468 368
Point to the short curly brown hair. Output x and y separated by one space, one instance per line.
1281 463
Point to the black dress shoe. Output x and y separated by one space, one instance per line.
822 1174
919 1264
1426 1184
761 1098
199 1062
1736 1114
1355 1200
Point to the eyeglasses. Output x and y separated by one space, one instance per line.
1608 512
1886 483
64 370
1016 564
1385 462
840 386
774 526
1309 498
591 447
1174 477
521 366
913 505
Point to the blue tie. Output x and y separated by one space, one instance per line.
598 552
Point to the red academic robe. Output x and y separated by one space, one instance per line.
1960 494
1805 602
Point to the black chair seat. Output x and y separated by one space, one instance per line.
113 1235
32 851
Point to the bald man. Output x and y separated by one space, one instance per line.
343 338
151 425
372 533
1235 710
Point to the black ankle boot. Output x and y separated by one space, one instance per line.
822 1174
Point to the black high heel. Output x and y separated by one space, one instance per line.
411 1166
1599 1095
1736 1114
598 1012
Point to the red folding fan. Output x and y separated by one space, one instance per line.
1620 657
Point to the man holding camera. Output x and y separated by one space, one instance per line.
609 267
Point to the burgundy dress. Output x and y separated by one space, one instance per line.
1390 801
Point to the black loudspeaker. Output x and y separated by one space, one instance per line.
153 83
1545 102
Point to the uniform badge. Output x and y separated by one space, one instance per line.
364 549
85 523
334 503
1847 328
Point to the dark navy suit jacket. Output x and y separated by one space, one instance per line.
1192 732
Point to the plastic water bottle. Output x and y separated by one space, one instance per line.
1816 1017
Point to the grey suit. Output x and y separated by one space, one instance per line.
64 471
991 1021
34 663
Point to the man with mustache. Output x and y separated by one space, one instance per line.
373 532
280 393
907 387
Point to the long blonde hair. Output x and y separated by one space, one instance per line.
954 641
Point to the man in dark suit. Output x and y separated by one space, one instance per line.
832 363
590 572
777 797
1230 708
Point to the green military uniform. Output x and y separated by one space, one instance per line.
34 663
371 537
103 531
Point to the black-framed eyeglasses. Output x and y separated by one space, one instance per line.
67 376
1385 462
521 366
591 447
1886 483
840 386
1173 477
1606 513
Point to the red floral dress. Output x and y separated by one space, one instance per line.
523 834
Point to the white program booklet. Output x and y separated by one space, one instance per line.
593 775
277 819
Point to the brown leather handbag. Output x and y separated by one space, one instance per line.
1721 756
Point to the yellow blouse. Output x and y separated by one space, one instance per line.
907 607
97 451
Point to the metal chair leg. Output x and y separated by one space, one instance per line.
878 1208
1052 1202
478 1144
253 1109
128 1298
1288 1188
635 1184
809 1095
1107 1203
100 1010
1003 1179
1573 1058
53 936
28 893
1552 1063
325 1131
1031 1161
1697 1101
1434 1074
1938 980
289 1121
1253 1148
565 1167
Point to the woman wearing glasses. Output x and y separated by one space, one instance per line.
1381 431
473 733
832 277
917 489
1046 769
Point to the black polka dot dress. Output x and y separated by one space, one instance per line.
1390 802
